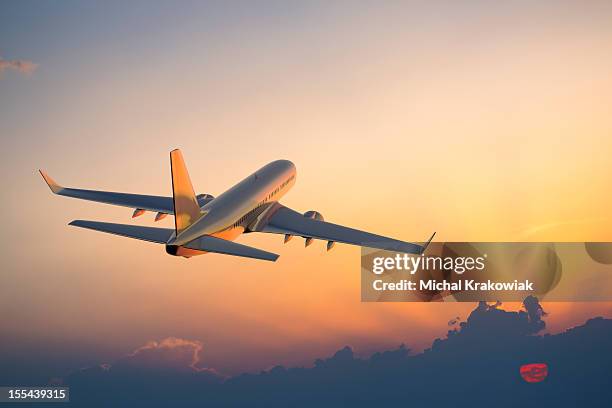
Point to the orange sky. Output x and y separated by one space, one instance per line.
482 123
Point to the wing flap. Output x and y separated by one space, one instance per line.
287 221
151 234
221 246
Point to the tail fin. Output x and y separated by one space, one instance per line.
186 208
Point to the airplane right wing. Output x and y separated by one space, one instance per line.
158 204
284 220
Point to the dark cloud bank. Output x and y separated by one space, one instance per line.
477 364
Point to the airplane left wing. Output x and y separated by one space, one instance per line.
164 205
283 220
145 202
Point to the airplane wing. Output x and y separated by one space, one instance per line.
158 204
283 220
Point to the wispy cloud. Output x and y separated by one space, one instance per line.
23 66
170 355
171 352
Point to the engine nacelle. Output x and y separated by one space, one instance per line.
204 198
315 215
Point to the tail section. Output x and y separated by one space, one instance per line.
151 234
186 208
209 243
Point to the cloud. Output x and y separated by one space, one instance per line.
23 66
169 357
478 361
171 353
160 370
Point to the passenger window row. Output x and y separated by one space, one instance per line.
272 194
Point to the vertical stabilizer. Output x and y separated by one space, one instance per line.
186 208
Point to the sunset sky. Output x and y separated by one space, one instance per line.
479 120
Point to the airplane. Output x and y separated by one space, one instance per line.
204 223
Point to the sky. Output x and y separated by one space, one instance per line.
478 120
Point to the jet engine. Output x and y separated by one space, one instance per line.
203 199
314 215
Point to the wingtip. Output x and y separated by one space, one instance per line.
53 185
428 242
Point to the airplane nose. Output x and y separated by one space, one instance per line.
289 166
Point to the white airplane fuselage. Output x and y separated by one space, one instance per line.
229 214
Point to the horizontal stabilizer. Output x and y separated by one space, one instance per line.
221 246
151 234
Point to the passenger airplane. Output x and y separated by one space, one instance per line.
204 223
